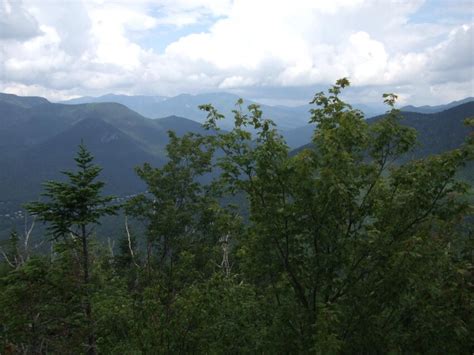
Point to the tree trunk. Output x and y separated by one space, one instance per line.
87 304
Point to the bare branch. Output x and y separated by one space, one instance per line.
225 254
111 246
129 238
28 235
5 256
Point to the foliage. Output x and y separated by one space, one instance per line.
72 211
347 247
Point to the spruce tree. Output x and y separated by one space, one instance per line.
72 209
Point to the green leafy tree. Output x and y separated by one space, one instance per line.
72 210
346 246
343 238
183 222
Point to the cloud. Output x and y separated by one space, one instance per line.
187 12
316 42
249 47
456 52
109 26
16 22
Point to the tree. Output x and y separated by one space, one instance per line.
347 246
72 210
355 249
184 222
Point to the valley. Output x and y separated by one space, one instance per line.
38 139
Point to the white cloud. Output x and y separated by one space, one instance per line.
366 59
109 26
457 51
92 47
16 22
236 81
39 55
187 12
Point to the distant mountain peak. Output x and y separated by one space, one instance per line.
23 101
436 108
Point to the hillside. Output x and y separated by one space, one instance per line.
38 140
291 121
297 136
33 128
437 132
139 103
441 131
22 101
186 105
437 108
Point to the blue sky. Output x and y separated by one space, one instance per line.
158 39
444 11
275 51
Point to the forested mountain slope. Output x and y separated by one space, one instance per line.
348 248
436 132
38 138
186 105
436 108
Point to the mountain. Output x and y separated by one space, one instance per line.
371 110
39 139
22 101
437 132
142 104
115 151
441 131
298 136
185 105
438 108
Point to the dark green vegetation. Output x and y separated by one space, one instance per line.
72 208
38 139
342 251
437 132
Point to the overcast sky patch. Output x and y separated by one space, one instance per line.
276 51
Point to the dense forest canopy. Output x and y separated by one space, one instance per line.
343 247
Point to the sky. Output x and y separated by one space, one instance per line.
272 51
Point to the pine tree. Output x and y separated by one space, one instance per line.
72 210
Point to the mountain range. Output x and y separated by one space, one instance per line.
437 132
437 108
291 121
186 105
38 139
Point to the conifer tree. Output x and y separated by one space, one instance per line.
72 210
